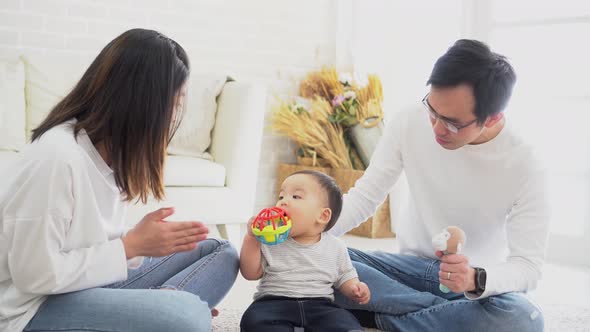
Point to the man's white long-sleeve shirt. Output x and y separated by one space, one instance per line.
494 191
61 219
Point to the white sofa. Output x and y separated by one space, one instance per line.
218 192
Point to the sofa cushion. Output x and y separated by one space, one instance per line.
193 136
182 171
48 81
12 104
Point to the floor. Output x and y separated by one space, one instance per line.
564 293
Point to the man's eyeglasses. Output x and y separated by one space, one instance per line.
454 128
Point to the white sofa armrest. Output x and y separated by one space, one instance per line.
237 139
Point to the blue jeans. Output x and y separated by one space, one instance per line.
284 314
405 297
202 277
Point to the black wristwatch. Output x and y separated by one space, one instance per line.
480 280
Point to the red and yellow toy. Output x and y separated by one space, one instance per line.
271 226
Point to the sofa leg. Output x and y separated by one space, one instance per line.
231 232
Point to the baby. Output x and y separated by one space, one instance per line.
298 276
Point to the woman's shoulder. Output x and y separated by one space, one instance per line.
58 145
60 134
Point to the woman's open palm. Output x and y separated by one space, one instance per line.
153 236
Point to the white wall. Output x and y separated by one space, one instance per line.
401 40
269 42
550 106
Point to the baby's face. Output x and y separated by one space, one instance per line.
304 200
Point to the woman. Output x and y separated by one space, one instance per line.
66 262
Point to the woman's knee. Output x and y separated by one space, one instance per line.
186 312
222 250
228 249
222 247
229 254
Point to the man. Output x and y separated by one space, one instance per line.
467 167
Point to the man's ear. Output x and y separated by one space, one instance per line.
492 120
325 216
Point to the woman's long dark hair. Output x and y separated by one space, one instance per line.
126 101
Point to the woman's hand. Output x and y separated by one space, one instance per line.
153 236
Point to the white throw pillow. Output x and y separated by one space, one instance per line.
12 104
193 136
48 81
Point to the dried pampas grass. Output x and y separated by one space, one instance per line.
318 124
370 98
312 131
323 83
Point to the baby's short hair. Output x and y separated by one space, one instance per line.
333 192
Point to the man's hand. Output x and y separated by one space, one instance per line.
455 272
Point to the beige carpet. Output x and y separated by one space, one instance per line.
558 318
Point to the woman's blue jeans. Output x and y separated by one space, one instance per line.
201 277
405 297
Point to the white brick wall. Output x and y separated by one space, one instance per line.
274 42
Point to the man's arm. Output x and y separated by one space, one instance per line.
372 188
527 228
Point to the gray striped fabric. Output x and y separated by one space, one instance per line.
299 270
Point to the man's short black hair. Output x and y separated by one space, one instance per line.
489 74
332 191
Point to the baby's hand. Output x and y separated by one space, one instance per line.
361 293
249 228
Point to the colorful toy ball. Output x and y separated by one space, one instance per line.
271 226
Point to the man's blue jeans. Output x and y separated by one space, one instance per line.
201 277
405 297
